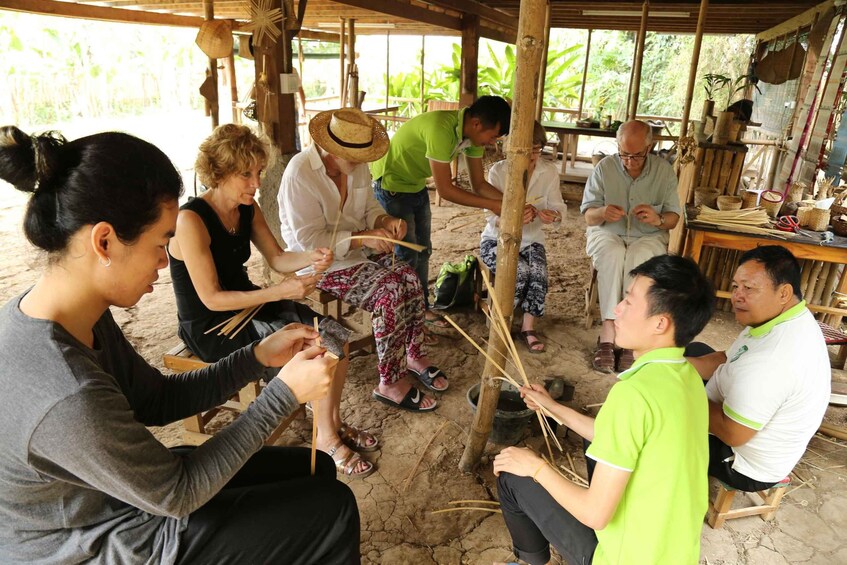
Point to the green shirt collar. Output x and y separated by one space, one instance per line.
460 127
661 355
789 314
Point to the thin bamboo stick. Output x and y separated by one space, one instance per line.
315 415
494 502
494 510
412 246
247 321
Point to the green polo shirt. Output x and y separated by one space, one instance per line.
433 135
655 425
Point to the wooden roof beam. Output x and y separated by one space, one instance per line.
400 9
477 9
802 20
71 10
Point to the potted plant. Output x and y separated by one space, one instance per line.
712 83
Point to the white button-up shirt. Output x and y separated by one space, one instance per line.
309 205
543 193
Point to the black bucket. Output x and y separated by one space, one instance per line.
510 418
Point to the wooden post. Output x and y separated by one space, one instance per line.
423 74
208 15
542 77
342 72
529 48
692 71
229 66
276 111
639 59
470 60
387 66
353 75
584 77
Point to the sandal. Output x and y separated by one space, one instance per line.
604 357
347 465
429 338
437 322
428 376
411 402
356 439
534 346
625 360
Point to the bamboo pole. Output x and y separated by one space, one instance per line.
353 74
584 77
423 74
529 49
209 15
692 71
387 65
542 77
639 59
229 67
342 74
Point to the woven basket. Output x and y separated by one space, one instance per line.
796 191
771 202
839 224
706 196
839 207
818 219
749 199
215 38
804 215
729 203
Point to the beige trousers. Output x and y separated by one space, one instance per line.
614 256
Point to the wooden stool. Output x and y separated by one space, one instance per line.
180 359
592 300
838 338
332 306
721 510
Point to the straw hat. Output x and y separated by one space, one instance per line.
350 134
215 38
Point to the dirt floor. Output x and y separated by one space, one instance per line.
396 502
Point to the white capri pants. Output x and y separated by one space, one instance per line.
614 256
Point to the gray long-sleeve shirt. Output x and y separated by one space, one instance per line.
81 477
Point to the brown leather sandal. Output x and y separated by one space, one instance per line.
356 439
604 357
625 360
347 465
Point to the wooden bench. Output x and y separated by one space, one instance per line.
832 336
180 359
721 509
331 306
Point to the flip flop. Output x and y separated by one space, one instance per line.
530 346
411 402
428 376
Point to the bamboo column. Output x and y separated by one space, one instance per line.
639 59
229 67
208 15
342 73
542 77
469 74
352 72
530 45
584 76
423 74
692 71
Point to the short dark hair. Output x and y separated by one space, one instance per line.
491 110
780 265
539 135
681 291
107 177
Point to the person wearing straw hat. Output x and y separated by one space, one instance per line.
424 147
325 198
208 266
630 204
646 451
84 478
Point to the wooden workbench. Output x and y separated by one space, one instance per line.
569 138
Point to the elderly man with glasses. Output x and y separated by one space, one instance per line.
630 203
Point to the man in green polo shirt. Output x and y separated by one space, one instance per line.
648 490
423 147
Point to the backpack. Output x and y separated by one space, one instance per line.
454 285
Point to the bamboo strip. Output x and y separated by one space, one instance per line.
247 321
833 431
315 414
574 474
210 330
495 510
235 321
805 273
420 458
412 246
494 502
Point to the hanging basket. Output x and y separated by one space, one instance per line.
215 38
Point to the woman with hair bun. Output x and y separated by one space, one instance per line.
208 266
83 479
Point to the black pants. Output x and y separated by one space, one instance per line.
719 452
272 511
535 520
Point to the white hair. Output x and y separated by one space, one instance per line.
625 128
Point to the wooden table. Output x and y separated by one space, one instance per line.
700 236
569 135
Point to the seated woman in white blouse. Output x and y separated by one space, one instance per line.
548 207
325 197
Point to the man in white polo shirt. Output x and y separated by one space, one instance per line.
768 392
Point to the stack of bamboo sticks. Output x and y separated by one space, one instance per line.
748 220
231 326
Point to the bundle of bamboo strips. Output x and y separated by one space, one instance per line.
231 326
749 220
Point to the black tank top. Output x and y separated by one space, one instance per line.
230 253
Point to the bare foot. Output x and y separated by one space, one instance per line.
419 365
398 390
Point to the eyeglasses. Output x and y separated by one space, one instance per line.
632 156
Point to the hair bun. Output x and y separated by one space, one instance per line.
27 162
